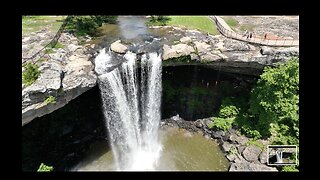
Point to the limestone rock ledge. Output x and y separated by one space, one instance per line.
65 79
219 52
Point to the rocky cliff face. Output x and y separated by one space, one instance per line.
226 54
65 73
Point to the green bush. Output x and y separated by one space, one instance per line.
289 169
158 21
250 132
50 100
227 109
275 101
44 168
30 74
83 25
223 124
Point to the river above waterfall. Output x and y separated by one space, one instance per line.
182 151
133 30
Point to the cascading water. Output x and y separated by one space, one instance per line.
132 109
279 156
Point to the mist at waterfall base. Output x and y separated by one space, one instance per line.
132 109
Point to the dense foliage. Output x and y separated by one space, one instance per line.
273 108
83 25
274 103
226 115
30 74
45 168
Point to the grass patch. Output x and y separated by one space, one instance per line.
231 22
201 23
35 23
30 74
57 46
50 100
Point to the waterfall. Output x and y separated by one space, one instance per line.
132 109
279 156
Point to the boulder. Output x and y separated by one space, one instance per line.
202 47
72 47
242 140
241 148
226 146
59 56
231 157
185 40
266 50
176 117
195 57
118 47
238 158
198 123
287 52
217 134
234 45
207 121
233 138
251 153
263 157
209 57
176 51
219 46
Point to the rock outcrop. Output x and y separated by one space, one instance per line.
118 47
176 51
251 153
64 74
219 52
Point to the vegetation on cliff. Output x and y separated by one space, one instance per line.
272 111
83 25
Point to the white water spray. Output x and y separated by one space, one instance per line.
132 110
279 156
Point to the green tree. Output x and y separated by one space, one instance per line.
83 25
274 102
